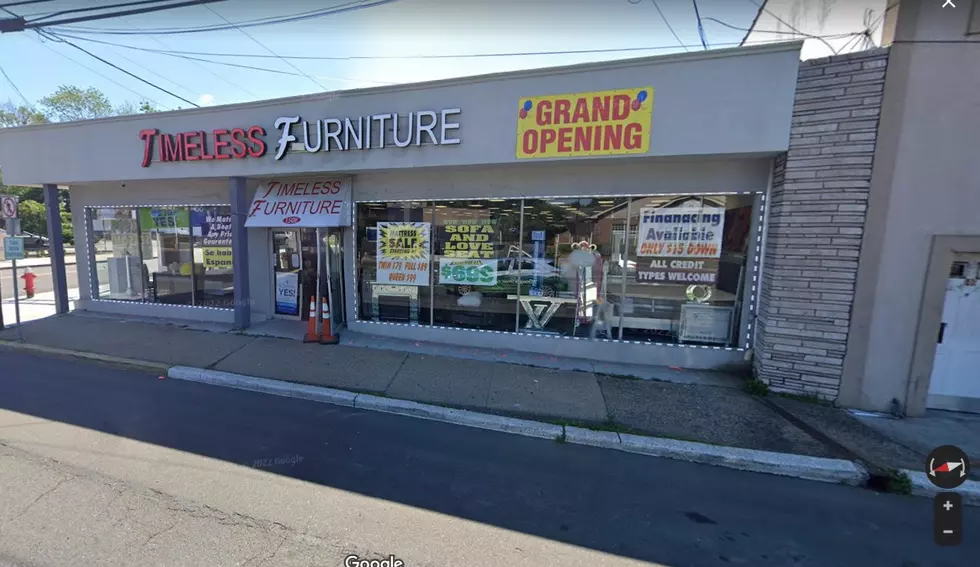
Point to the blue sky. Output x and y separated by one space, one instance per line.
399 28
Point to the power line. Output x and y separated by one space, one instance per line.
92 9
120 69
226 64
16 90
394 57
794 33
350 6
670 27
263 46
18 23
755 21
762 8
161 42
697 14
111 80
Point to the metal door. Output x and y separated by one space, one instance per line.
955 382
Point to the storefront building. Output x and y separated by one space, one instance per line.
612 211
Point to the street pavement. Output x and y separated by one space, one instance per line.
102 465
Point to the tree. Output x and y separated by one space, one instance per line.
73 103
127 108
32 217
11 115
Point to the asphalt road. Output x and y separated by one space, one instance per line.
85 439
42 284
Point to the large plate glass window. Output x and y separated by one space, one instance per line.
687 272
476 244
394 262
161 254
572 265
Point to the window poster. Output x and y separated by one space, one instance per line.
468 252
403 253
679 245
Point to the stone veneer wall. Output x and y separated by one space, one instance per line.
817 206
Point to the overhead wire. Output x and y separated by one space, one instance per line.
763 8
265 47
198 64
342 8
16 90
110 79
396 57
118 68
697 14
669 27
223 63
48 16
33 25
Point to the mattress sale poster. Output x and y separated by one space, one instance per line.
679 245
600 123
403 253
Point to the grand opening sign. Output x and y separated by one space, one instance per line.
596 123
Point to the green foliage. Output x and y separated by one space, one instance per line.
32 217
899 483
74 103
11 116
757 387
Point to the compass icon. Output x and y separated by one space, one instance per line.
947 466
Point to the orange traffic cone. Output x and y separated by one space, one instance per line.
311 324
326 334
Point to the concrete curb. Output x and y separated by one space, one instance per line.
144 364
799 466
969 490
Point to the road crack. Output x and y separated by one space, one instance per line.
38 499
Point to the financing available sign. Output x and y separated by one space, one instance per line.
600 123
679 244
403 253
311 203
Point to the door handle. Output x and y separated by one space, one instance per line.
942 332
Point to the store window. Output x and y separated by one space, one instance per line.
394 262
572 266
115 238
687 268
475 281
168 255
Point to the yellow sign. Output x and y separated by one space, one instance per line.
217 258
601 123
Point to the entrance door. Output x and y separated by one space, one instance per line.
294 270
955 382
332 263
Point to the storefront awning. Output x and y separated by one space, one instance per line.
311 203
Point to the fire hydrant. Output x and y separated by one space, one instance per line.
29 278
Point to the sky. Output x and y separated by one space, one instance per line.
395 41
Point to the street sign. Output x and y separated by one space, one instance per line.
13 248
8 207
12 226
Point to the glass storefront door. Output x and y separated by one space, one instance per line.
294 268
297 272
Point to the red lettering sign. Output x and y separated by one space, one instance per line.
220 143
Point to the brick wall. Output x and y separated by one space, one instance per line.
816 220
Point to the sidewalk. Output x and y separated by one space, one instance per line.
705 407
38 307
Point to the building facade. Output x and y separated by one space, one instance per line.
611 211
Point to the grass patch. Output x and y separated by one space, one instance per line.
807 398
756 387
561 439
892 481
608 425
619 376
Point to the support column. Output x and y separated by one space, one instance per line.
239 250
56 249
